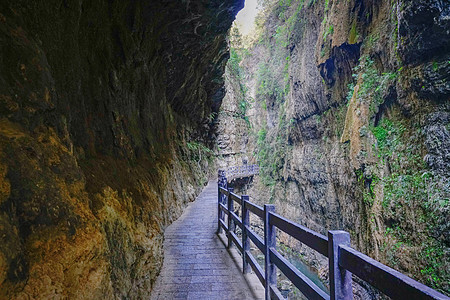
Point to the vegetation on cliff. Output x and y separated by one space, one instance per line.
351 127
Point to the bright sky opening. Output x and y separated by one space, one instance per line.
245 19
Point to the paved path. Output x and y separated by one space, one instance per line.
197 264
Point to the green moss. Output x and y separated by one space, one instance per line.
387 134
329 31
197 151
433 256
410 188
264 105
351 89
374 86
282 36
269 83
326 6
234 61
262 133
368 185
237 52
435 66
272 150
353 36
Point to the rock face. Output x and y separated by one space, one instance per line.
350 126
232 125
105 113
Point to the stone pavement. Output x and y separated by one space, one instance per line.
197 264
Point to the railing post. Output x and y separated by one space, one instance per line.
340 279
230 206
245 240
270 242
221 182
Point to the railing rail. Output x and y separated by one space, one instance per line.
342 259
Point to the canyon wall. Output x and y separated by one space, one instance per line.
349 121
105 134
232 123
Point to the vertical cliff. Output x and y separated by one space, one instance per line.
350 126
232 123
105 135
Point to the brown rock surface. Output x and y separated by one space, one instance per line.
99 102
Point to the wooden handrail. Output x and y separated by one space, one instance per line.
305 235
342 259
397 284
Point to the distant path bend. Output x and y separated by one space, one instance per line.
196 262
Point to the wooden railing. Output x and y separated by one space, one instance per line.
241 171
342 259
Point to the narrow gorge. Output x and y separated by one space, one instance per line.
114 115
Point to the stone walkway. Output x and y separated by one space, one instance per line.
197 264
